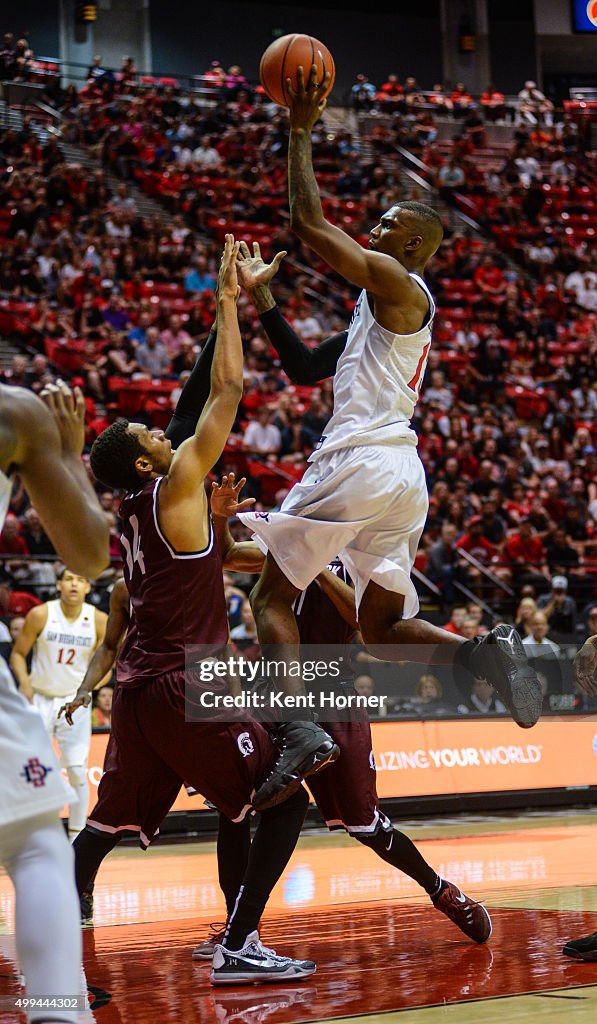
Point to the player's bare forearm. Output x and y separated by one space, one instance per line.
18 665
98 670
379 273
237 556
341 596
227 367
303 191
262 298
199 453
244 556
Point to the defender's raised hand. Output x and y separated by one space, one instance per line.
253 271
307 103
228 286
224 497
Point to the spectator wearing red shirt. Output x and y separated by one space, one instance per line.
457 616
390 93
524 551
461 100
553 504
493 104
14 602
11 541
475 543
489 278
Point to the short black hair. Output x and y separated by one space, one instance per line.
428 215
113 456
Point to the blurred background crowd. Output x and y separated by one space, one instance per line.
110 232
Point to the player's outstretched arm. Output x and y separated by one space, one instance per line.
197 455
379 273
237 556
33 625
44 443
104 657
303 365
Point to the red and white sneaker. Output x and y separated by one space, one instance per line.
471 917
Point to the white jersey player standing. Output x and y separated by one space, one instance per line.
43 444
63 636
364 496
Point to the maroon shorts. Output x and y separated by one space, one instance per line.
346 793
153 750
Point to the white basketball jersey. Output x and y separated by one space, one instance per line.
63 651
377 382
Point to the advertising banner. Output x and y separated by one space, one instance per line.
436 757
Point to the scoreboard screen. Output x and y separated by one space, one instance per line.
584 15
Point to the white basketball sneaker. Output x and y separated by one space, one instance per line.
255 963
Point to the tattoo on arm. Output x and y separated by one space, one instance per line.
263 299
305 202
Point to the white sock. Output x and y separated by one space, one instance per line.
77 810
39 861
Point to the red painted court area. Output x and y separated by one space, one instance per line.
380 947
373 958
370 958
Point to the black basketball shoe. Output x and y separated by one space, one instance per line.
582 949
501 659
306 749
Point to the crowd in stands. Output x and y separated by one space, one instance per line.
530 105
93 290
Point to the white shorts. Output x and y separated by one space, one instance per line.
367 505
73 740
31 782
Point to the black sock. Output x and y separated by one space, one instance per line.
271 849
90 849
465 652
234 844
400 851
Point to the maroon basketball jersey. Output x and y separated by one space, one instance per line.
177 599
319 621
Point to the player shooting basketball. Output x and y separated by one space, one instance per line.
364 495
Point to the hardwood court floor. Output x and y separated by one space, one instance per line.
383 953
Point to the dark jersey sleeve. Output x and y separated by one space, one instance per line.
194 395
303 365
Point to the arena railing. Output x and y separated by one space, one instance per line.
36 583
484 571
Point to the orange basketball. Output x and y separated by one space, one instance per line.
285 55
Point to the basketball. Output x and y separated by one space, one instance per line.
282 58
